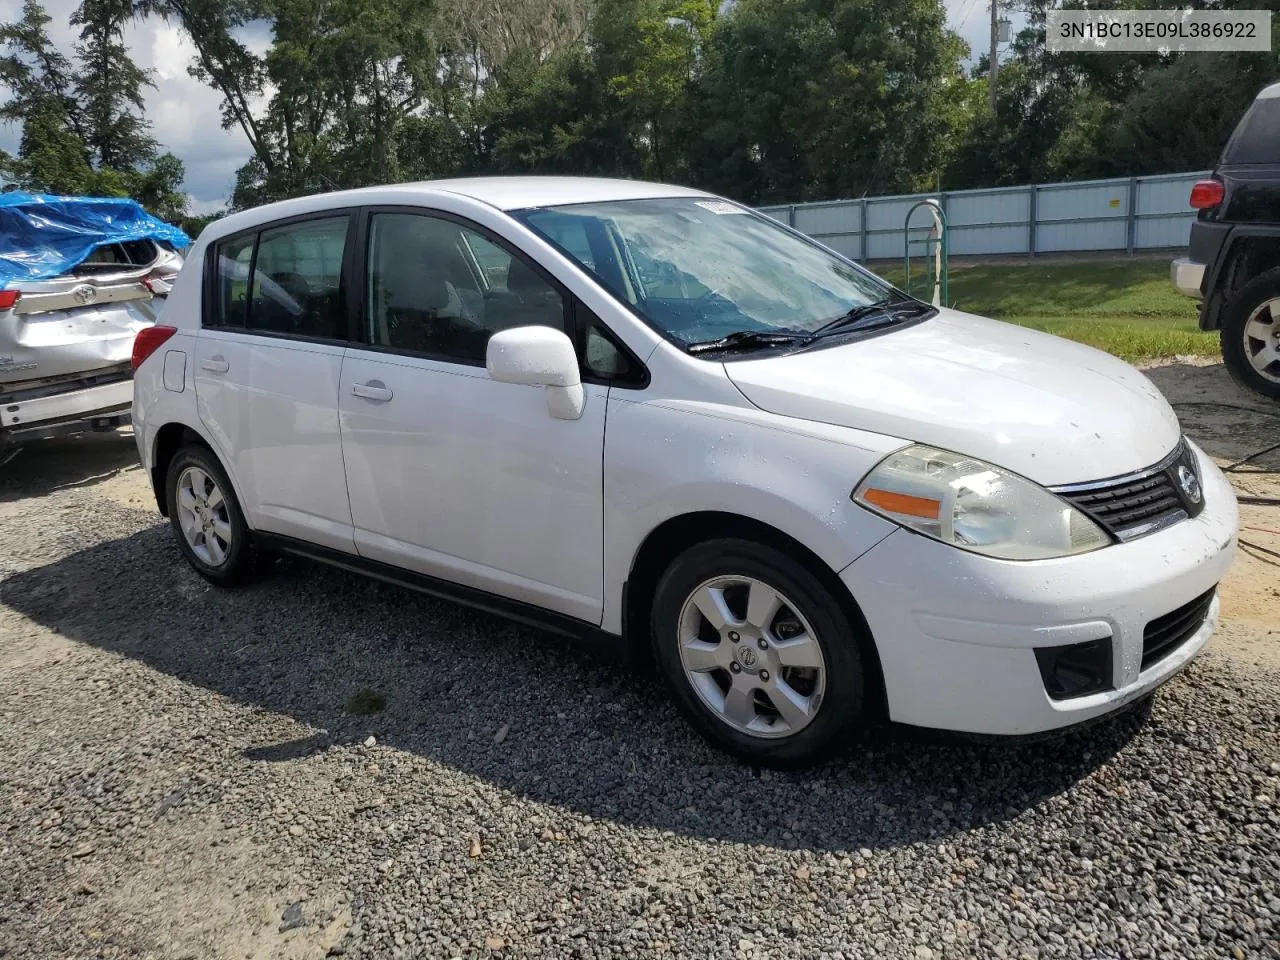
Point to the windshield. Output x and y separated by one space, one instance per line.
699 269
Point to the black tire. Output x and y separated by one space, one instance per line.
237 563
1236 313
840 707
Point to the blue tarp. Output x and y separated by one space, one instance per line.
42 236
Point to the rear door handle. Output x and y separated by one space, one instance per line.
373 390
215 365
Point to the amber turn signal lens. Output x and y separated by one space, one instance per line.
902 503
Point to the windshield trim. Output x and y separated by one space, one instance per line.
520 214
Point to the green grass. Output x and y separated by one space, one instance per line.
1128 308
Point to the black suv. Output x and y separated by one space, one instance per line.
1233 264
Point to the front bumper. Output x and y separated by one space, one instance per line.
74 411
1187 276
957 632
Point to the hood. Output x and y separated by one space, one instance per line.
1055 411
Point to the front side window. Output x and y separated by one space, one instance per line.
698 268
438 288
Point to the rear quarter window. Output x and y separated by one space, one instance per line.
230 265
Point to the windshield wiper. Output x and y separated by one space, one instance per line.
869 316
747 340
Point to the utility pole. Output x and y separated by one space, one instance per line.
994 65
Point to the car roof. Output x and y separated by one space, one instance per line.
504 193
513 193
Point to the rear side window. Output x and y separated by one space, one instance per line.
119 256
1257 136
284 280
297 277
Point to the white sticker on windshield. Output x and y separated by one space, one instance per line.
719 206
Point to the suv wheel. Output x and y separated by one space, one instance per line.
1251 335
757 653
207 518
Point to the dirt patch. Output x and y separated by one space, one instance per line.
193 892
1233 426
107 463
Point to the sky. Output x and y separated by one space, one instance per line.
184 113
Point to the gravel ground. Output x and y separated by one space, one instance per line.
180 777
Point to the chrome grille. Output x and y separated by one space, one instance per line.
1142 502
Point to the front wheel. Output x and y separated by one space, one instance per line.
758 654
1250 335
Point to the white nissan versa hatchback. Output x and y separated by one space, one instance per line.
621 409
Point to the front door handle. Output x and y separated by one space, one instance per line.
215 365
373 390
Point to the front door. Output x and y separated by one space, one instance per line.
450 473
268 362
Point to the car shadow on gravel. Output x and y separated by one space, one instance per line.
521 709
44 466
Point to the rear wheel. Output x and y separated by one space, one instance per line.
1250 334
206 517
759 655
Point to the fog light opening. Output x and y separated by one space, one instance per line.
1077 669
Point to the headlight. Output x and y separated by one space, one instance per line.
976 506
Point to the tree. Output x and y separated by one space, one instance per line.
1073 116
81 133
193 226
108 87
223 61
159 188
646 51
40 84
1207 94
1017 143
345 76
33 69
51 158
810 99
553 117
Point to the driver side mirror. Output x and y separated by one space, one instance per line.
541 357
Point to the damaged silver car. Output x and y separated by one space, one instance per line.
66 340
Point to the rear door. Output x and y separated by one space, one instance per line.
267 368
453 474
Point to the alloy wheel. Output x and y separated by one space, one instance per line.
1262 340
751 656
203 516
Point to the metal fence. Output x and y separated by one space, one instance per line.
1132 213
